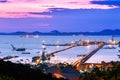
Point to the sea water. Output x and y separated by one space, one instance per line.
34 46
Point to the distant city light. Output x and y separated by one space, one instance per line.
87 41
72 41
57 46
112 42
43 46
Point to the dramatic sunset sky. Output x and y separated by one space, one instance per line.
62 15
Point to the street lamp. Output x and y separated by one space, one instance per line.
57 44
43 58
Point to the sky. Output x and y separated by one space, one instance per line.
61 15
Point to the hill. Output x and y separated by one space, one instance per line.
12 71
55 32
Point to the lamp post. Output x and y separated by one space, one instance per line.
43 57
57 44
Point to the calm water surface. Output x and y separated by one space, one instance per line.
34 45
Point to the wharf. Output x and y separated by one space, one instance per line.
66 44
87 56
84 59
57 44
52 53
82 43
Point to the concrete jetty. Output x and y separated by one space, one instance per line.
57 44
84 59
87 56
71 46
66 44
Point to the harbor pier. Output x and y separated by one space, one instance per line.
79 62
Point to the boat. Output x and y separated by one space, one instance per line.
109 47
35 58
119 56
18 49
25 52
36 36
118 50
81 55
9 57
26 36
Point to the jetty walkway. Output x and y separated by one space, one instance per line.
71 46
88 55
85 57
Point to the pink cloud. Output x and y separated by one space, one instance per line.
43 24
23 7
21 15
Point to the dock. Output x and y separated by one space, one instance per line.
85 57
66 44
88 55
71 46
57 44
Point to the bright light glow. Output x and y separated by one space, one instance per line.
112 42
43 41
57 46
58 75
87 41
72 41
88 47
110 45
43 46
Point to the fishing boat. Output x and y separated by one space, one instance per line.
25 52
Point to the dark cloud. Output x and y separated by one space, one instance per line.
51 11
107 2
58 9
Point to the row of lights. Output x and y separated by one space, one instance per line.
72 42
